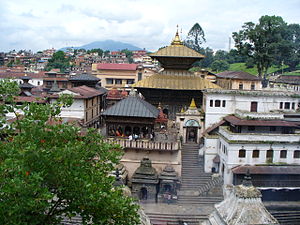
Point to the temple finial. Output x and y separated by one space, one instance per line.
193 104
176 40
247 179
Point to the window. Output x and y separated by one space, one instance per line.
118 81
297 154
255 154
252 86
281 105
287 105
211 103
223 103
217 103
293 105
38 83
283 154
139 76
130 81
251 128
253 107
241 86
272 128
242 153
270 153
109 81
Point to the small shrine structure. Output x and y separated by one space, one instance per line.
190 123
145 182
168 185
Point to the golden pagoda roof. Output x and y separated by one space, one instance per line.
175 82
193 104
177 49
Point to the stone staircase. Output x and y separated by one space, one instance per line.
171 219
287 213
197 187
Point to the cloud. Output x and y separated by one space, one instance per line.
148 24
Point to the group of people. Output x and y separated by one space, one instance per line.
134 137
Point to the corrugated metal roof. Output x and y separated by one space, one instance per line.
132 106
241 122
84 77
239 75
175 82
267 170
116 66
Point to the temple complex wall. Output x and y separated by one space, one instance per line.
132 159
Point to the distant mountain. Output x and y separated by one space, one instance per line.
106 45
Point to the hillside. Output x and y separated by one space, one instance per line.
109 45
242 67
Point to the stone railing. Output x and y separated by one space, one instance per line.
258 137
145 144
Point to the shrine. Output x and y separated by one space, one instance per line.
145 182
175 86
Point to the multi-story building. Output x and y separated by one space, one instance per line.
86 108
218 103
116 75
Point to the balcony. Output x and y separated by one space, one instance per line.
258 137
145 145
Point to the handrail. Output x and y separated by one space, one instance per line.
145 144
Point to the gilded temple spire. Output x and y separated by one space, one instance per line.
176 40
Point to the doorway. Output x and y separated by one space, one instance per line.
143 194
191 134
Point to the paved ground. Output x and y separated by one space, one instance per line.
175 209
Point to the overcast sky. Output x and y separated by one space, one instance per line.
150 24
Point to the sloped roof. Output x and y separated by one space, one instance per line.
84 77
281 169
238 75
244 122
177 51
174 82
132 106
116 66
82 92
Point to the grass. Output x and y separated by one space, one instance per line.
242 67
295 73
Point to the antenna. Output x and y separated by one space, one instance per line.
229 45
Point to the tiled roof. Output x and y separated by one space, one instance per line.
132 106
174 82
238 75
177 51
116 66
267 170
83 91
29 99
10 74
289 79
242 122
84 77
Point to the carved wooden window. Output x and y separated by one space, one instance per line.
283 154
255 154
297 154
242 153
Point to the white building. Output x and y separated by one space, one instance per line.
219 103
250 128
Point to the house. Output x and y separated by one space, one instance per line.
238 80
219 103
86 107
116 75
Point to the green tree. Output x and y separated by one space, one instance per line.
261 41
48 170
195 37
221 55
98 50
219 65
59 60
207 61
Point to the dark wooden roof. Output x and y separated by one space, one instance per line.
237 75
267 170
132 106
84 77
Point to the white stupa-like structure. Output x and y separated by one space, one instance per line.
242 206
